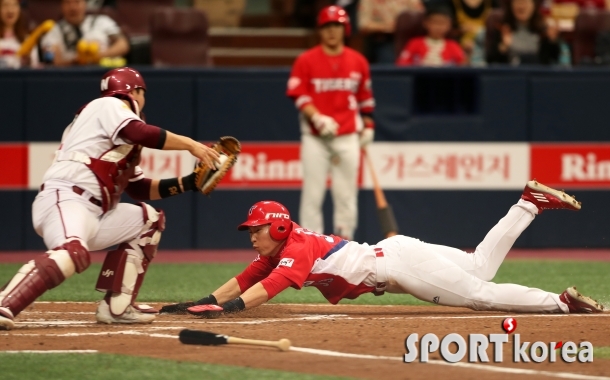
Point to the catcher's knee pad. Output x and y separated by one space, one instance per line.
30 282
123 270
71 256
154 225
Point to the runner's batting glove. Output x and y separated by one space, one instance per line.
181 308
325 125
366 136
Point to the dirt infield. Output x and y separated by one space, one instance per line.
246 255
376 331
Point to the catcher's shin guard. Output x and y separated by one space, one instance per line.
124 268
43 273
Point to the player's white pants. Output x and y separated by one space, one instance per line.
451 277
59 214
339 156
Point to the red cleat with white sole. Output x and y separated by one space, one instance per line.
577 303
546 198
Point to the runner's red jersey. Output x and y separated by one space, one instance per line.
337 268
338 86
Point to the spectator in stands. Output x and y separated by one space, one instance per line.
79 38
94 5
377 21
470 17
13 31
434 49
523 37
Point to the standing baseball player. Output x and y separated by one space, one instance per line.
331 87
78 209
293 256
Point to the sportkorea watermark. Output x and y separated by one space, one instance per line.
475 349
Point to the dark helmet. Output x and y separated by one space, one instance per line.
121 81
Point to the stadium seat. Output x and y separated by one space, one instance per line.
134 15
179 37
492 25
41 10
408 25
589 23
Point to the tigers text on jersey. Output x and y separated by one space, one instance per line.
338 86
337 268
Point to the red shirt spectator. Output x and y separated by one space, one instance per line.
425 51
434 49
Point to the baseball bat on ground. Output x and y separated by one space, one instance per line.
206 338
389 227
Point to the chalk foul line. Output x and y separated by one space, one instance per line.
315 351
481 367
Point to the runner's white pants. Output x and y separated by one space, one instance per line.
339 156
451 277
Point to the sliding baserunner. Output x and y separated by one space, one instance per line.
291 256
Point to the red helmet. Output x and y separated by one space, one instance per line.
269 212
335 13
121 81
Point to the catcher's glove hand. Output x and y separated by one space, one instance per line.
206 179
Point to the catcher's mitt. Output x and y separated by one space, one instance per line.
206 179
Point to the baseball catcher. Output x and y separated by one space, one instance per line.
289 255
77 209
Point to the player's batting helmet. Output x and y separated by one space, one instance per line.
335 13
269 212
121 81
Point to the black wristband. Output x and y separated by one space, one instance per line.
169 187
234 306
209 300
188 182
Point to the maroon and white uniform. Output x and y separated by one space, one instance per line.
77 209
444 275
339 87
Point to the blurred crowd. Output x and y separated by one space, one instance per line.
401 32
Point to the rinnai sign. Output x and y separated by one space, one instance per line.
572 165
399 165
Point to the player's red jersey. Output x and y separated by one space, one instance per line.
337 267
338 86
423 51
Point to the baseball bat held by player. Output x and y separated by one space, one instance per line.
389 227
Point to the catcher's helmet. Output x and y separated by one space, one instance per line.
121 81
335 13
269 212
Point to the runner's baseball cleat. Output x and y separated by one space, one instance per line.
130 316
545 197
6 319
577 303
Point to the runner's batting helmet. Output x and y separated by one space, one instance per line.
269 212
121 81
335 13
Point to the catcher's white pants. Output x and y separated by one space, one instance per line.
451 277
58 213
339 156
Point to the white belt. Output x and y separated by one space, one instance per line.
382 276
72 156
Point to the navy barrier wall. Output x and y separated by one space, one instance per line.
494 104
